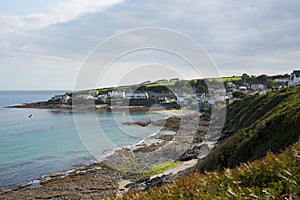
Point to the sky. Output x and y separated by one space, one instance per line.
44 44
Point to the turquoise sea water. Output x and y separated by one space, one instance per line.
49 142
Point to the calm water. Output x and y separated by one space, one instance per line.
49 142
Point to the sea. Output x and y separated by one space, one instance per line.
50 141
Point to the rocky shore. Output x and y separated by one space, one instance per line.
42 105
125 169
100 107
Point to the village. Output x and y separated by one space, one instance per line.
231 91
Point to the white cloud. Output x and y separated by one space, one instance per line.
72 9
64 12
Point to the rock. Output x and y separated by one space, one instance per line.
166 137
187 156
192 153
155 182
139 123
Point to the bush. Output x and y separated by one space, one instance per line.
238 94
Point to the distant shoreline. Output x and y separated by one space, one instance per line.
101 107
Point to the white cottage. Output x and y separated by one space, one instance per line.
257 86
295 78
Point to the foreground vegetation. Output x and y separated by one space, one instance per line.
258 156
274 177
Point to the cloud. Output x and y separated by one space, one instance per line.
66 11
250 36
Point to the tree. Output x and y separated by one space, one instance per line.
238 94
201 89
270 83
245 78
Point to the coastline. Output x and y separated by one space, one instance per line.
110 174
100 107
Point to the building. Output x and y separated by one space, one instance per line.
174 79
84 96
243 88
145 83
257 87
284 81
61 98
137 95
161 81
295 78
102 97
116 94
230 85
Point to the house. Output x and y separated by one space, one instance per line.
230 85
162 95
284 81
295 78
137 95
263 92
243 88
116 94
257 87
145 83
161 81
102 97
85 96
174 79
61 98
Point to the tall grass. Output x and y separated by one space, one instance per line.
273 177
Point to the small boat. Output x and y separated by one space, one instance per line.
30 116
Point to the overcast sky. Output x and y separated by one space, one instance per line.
44 42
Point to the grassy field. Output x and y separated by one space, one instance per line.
158 168
160 84
226 79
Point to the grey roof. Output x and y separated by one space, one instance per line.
297 73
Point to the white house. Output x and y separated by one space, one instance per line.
102 97
84 96
174 79
257 86
243 88
137 95
145 83
295 78
116 94
278 80
161 81
61 98
230 85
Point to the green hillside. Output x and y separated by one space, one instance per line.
257 124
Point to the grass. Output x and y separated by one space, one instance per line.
273 177
226 79
160 84
257 124
159 168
